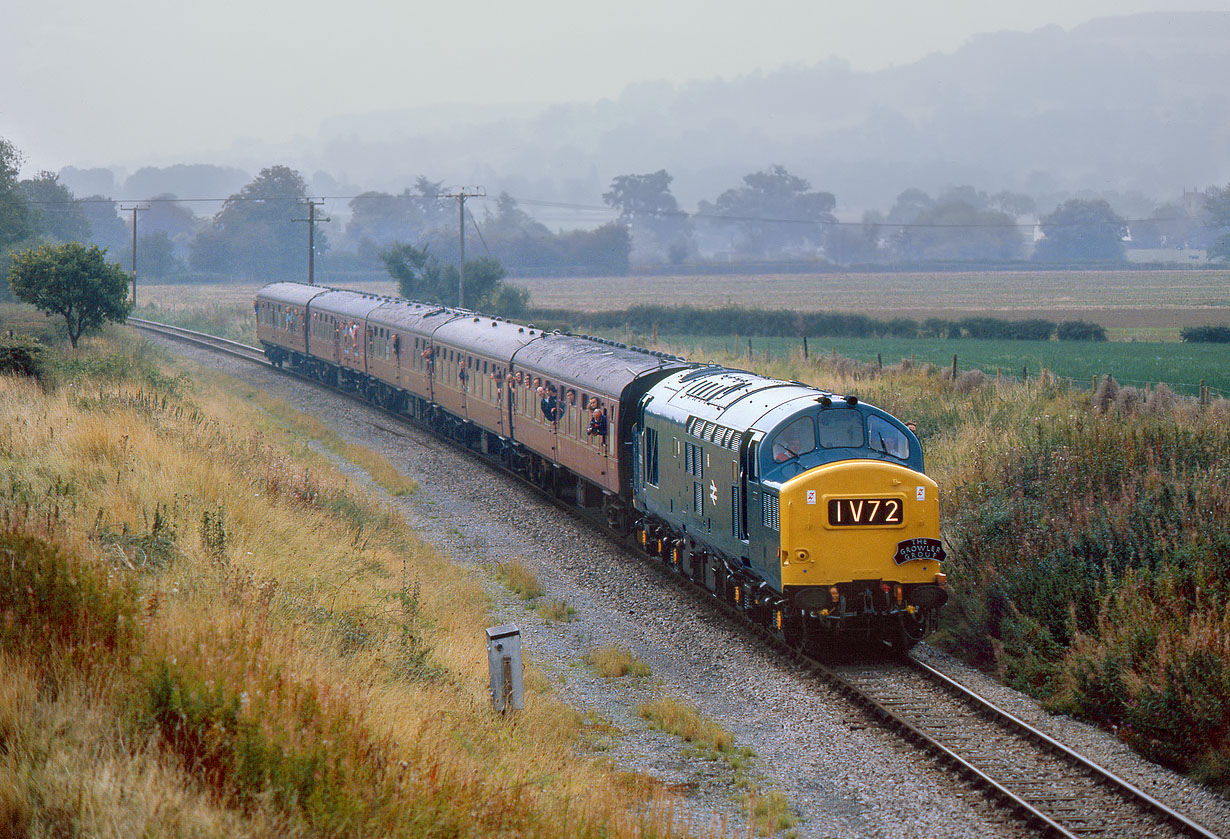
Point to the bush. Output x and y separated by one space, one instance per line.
1206 334
1090 567
23 357
1080 330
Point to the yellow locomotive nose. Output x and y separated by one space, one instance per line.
860 520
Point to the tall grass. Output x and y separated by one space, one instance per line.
1089 556
204 634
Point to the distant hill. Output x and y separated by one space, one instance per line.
1125 103
1122 104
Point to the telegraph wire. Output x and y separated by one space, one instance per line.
615 212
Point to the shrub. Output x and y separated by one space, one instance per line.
1080 330
1090 567
51 601
1206 334
970 381
1105 394
23 357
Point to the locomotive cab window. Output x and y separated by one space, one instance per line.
797 438
883 436
841 429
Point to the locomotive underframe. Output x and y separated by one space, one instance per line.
804 617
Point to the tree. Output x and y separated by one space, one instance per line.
910 205
167 216
1081 231
59 216
660 230
381 219
156 255
17 219
956 231
856 243
1217 210
253 234
420 276
107 229
74 281
775 211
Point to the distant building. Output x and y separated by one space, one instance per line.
1168 256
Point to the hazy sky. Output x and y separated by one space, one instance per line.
87 83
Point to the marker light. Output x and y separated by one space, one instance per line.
941 580
835 594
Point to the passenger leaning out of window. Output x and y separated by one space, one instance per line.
597 423
551 409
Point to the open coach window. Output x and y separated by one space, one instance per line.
883 436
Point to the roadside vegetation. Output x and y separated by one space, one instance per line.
208 629
1089 558
613 660
768 811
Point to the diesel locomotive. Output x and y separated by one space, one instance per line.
807 510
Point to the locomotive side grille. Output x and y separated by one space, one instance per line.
771 514
698 498
734 512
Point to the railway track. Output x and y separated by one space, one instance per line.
1045 784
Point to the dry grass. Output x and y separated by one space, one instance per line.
614 661
767 811
555 610
298 664
518 578
688 724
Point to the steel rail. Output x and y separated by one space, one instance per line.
984 707
1110 779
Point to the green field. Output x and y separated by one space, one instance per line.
1181 366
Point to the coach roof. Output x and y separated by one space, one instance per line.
410 316
292 294
486 336
351 304
596 365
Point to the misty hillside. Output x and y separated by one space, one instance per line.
1126 103
1133 103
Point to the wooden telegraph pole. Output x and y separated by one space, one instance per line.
461 195
311 223
134 209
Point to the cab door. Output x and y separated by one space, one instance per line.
749 485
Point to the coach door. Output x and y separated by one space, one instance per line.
430 355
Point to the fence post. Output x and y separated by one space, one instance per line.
880 362
804 347
1204 395
954 367
749 350
1024 372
